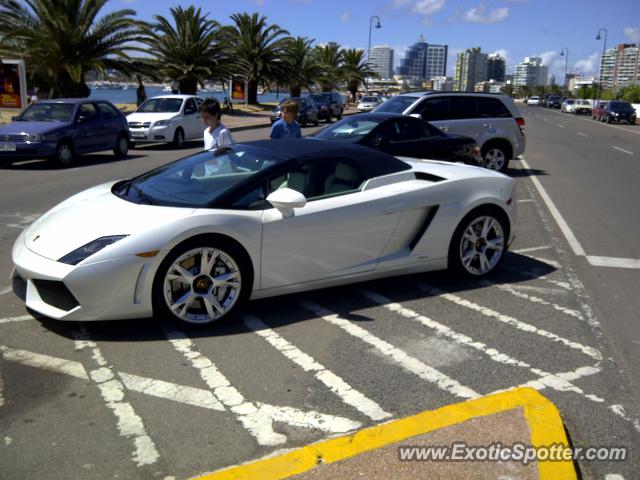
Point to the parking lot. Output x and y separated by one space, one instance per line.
143 399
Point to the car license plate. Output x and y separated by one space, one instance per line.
7 147
138 135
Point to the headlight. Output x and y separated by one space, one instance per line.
89 249
162 123
36 138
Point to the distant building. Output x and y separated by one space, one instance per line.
489 86
382 61
620 66
471 68
531 73
329 44
496 68
423 61
441 84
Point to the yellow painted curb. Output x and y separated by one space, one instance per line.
541 415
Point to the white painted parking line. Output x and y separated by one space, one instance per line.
541 290
533 299
171 391
21 318
526 200
130 425
256 417
622 413
536 275
615 262
514 322
337 385
613 476
590 120
409 363
532 249
5 290
583 135
546 119
45 362
623 150
1 387
555 213
560 125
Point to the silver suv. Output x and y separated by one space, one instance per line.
492 120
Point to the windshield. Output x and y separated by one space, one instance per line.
350 129
622 106
198 180
48 112
396 104
161 105
322 97
369 99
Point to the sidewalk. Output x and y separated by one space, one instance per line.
519 416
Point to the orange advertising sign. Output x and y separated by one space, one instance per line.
237 88
10 94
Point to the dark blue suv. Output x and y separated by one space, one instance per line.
61 129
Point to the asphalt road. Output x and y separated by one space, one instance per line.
140 399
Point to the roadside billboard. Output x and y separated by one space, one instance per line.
238 89
13 84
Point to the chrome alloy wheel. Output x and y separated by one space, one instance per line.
65 154
202 285
482 245
494 159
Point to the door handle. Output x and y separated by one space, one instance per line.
444 129
487 125
394 208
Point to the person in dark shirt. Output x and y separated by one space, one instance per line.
141 93
287 127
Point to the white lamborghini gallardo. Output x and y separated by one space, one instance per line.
194 238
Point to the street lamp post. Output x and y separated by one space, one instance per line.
604 47
370 26
565 53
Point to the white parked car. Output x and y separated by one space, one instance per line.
568 106
167 119
192 239
368 103
535 100
583 106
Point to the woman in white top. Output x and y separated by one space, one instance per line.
215 135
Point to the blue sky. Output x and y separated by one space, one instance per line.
516 28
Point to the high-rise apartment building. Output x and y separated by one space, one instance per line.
496 68
424 61
531 73
620 66
471 68
382 61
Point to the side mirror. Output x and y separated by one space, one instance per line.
15 118
415 115
81 119
286 199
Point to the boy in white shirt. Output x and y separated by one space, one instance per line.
215 135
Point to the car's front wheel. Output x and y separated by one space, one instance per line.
495 157
178 138
64 154
202 281
479 243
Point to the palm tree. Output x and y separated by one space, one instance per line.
329 57
355 70
541 90
524 91
256 48
62 40
189 50
300 68
508 89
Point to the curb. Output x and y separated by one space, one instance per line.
541 415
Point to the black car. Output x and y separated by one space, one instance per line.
554 101
308 111
616 111
403 135
331 104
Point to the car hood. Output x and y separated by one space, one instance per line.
150 117
14 128
92 214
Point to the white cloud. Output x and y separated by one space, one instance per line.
548 57
345 16
424 8
589 65
480 15
632 33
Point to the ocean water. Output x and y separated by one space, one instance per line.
129 95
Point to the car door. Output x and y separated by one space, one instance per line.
434 110
463 119
340 231
89 134
111 122
400 136
193 126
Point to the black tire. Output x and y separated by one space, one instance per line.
178 138
122 146
132 144
459 244
328 119
339 117
229 249
303 121
316 121
65 153
608 120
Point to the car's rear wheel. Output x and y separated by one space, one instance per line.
339 117
316 121
479 243
178 138
496 157
202 281
64 154
303 121
122 146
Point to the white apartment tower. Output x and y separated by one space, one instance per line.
382 61
531 73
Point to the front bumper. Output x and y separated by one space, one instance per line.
26 150
151 134
114 289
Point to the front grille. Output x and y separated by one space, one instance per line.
139 124
12 138
19 285
56 294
